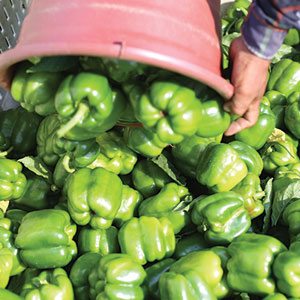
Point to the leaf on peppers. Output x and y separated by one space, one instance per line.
267 202
54 64
164 163
37 166
289 190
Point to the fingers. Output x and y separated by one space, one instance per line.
246 121
249 78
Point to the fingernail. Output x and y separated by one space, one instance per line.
226 107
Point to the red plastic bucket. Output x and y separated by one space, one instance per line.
179 36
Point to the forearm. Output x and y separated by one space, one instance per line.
267 24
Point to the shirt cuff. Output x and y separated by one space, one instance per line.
260 38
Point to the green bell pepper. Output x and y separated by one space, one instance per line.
147 239
285 77
90 198
278 103
275 296
250 189
214 121
87 106
221 217
292 38
81 155
143 141
131 199
8 295
7 241
154 272
18 129
102 241
6 265
47 285
292 113
79 274
117 277
172 199
220 167
194 276
170 110
257 135
190 243
35 90
114 155
15 216
250 263
148 178
279 150
44 239
249 155
291 216
37 194
187 153
286 269
12 180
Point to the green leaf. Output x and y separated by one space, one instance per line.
228 38
283 52
37 166
166 165
267 202
54 64
286 190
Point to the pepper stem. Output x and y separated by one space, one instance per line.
66 164
4 153
78 117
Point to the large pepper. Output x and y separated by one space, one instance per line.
195 276
37 194
171 200
47 285
35 91
79 274
44 239
80 155
250 156
278 103
6 265
190 243
8 295
257 135
147 239
250 189
154 272
131 199
18 129
250 263
102 241
170 110
114 155
7 241
276 296
12 180
87 106
292 113
214 121
286 269
285 77
148 178
117 276
90 197
279 150
143 141
187 153
221 217
220 167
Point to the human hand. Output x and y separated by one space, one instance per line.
249 78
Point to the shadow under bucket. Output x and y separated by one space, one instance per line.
178 36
